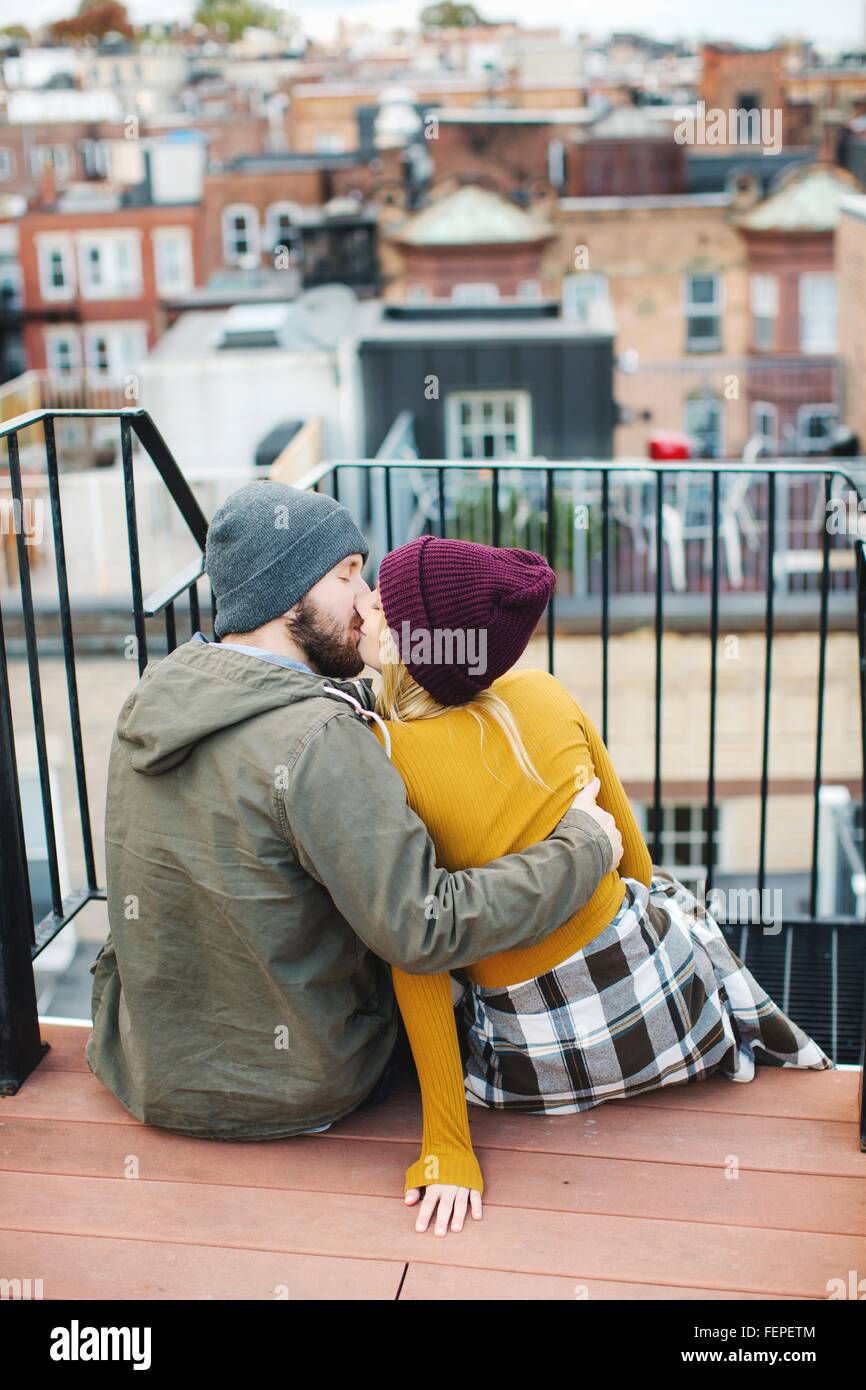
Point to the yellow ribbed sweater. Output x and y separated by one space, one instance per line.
478 805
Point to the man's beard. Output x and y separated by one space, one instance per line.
327 648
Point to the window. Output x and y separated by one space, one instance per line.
95 159
172 257
488 424
56 267
764 298
818 312
703 313
62 351
417 293
703 422
529 289
475 292
113 349
55 157
11 285
815 425
7 162
765 425
682 839
280 228
579 293
109 265
241 234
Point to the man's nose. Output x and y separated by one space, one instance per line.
362 599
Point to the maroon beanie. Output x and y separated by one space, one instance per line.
462 613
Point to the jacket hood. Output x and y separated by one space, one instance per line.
199 689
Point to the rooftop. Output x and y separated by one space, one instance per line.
628 1201
808 201
470 217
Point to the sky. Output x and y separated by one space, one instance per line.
840 22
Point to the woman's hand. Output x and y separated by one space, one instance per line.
442 1198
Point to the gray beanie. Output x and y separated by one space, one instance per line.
267 545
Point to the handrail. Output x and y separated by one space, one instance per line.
150 439
158 600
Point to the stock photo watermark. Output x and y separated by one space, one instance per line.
760 126
438 646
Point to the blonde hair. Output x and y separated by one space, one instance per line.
402 699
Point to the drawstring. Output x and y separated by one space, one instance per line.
365 713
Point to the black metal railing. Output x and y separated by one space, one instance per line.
22 939
351 481
842 1029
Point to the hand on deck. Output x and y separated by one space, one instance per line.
442 1198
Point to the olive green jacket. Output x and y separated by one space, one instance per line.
262 866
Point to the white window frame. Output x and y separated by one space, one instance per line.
47 243
94 156
113 285
231 256
7 162
764 305
184 280
475 292
695 871
814 336
771 441
693 310
57 157
578 293
456 430
804 412
111 330
273 213
720 410
52 337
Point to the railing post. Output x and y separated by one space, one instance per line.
21 1047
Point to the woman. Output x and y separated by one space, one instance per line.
639 989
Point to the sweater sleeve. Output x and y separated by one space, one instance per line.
636 861
446 1148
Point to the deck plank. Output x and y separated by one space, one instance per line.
434 1283
785 1092
90 1267
583 1246
616 1130
613 1130
551 1182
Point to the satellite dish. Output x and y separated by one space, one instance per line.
325 315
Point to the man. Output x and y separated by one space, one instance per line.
262 864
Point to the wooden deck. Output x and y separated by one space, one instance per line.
628 1201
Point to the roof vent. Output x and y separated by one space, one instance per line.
256 326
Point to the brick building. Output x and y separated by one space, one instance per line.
471 246
793 389
96 275
674 269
